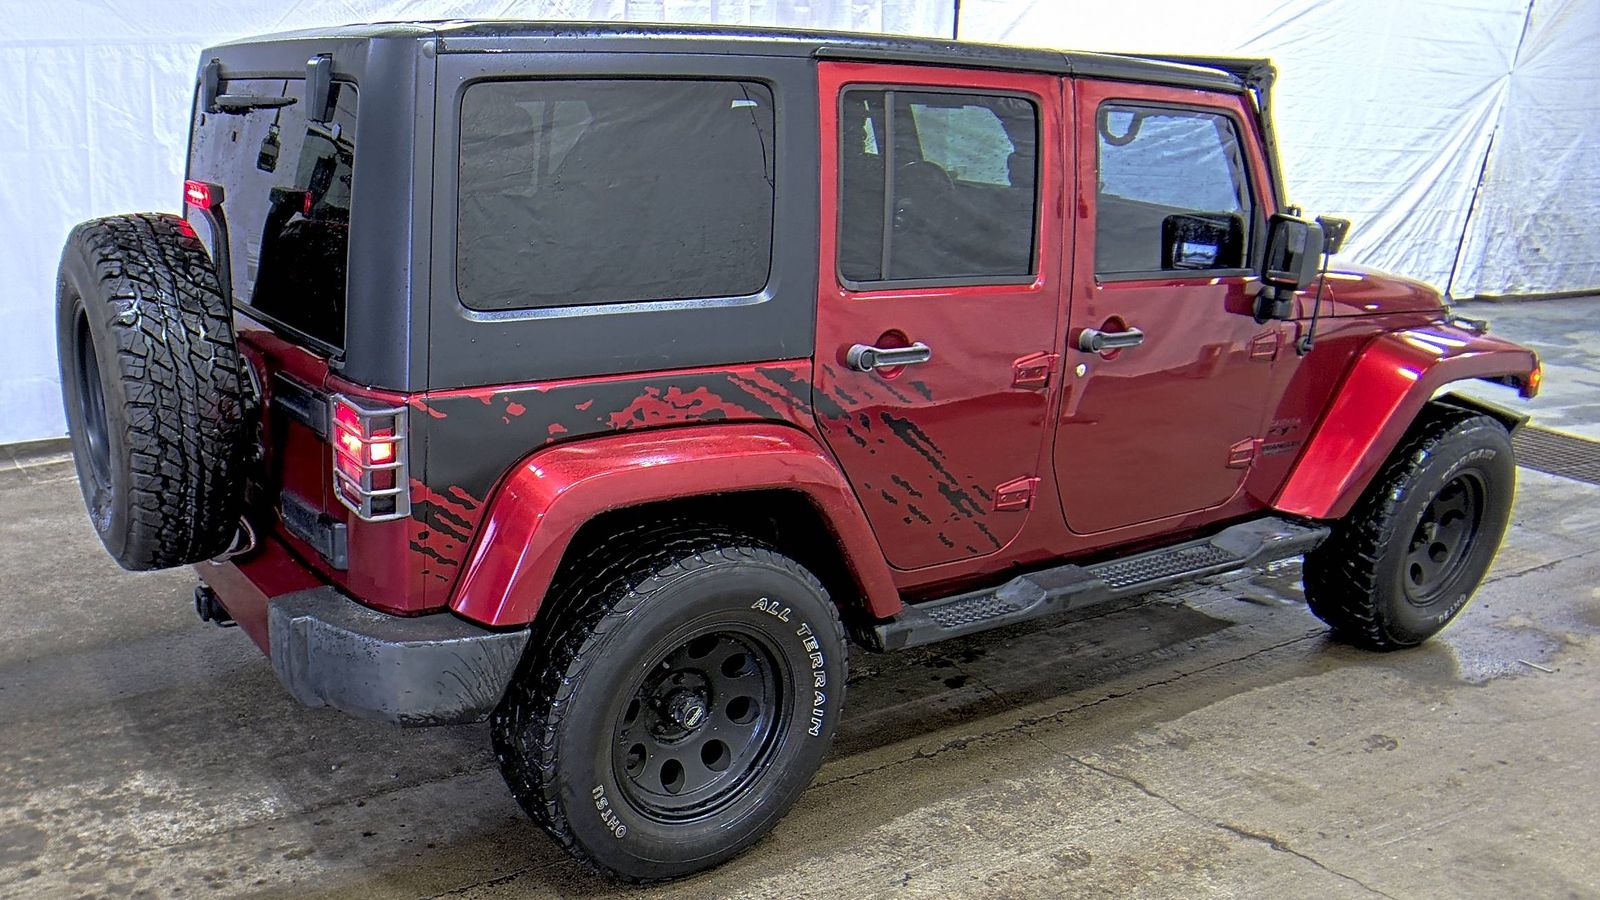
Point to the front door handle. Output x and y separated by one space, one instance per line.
865 357
1091 340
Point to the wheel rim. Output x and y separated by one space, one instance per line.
1443 539
701 726
91 399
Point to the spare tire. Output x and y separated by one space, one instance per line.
152 383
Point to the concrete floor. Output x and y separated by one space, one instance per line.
1204 742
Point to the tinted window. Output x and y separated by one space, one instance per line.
287 202
575 192
958 172
1173 194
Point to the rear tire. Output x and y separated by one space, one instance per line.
151 382
667 719
1409 556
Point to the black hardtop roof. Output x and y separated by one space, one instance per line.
480 35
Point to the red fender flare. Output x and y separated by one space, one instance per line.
1387 386
553 492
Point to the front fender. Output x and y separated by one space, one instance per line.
1395 375
553 492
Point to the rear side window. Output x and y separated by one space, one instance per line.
936 186
607 191
1172 191
287 202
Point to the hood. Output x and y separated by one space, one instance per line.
1364 291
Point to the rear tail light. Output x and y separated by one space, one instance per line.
201 195
369 460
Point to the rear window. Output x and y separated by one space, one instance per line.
286 202
607 191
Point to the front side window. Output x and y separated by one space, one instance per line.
608 191
1172 191
936 186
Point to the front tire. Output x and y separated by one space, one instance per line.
677 710
1409 556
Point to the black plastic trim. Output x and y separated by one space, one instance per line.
301 402
1073 586
1081 65
328 536
1175 275
437 669
1512 419
1050 64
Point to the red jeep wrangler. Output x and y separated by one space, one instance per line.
599 379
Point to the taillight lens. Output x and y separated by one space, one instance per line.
201 195
369 465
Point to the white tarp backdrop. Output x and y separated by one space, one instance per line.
1387 111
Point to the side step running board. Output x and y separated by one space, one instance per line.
1072 587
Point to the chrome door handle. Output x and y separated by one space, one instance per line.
1092 340
865 358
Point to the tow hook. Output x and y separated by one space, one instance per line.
209 608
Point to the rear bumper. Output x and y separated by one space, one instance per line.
329 650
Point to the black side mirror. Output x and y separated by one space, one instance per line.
1334 231
1294 252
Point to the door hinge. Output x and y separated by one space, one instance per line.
1264 346
1032 372
1015 494
1242 454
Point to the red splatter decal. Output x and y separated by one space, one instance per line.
419 405
662 407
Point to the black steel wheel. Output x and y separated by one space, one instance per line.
702 725
1413 550
1442 541
674 703
90 399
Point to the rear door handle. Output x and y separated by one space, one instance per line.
1091 340
865 357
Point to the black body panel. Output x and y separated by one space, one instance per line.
471 348
380 341
329 650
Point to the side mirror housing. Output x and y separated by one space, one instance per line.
1294 251
1334 231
